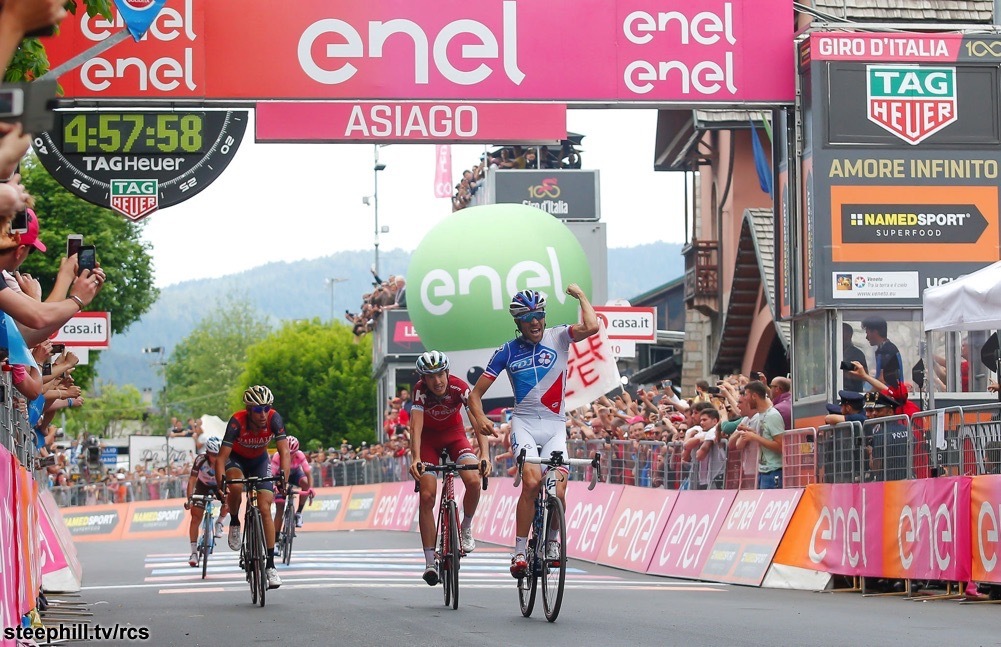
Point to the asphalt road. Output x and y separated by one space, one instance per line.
364 588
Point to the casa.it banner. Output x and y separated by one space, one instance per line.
713 51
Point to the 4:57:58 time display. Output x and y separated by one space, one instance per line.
133 133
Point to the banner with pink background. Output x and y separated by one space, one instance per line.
9 612
690 533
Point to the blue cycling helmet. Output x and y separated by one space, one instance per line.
526 301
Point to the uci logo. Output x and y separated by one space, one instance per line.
548 189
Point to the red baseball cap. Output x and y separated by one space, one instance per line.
31 236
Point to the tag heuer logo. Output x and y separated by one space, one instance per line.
134 199
911 101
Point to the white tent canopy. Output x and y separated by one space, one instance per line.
971 302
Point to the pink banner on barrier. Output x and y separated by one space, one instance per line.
53 558
835 529
635 527
29 572
985 521
690 533
9 615
752 531
496 523
587 517
926 529
397 507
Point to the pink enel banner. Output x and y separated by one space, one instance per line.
443 171
587 515
750 534
467 123
985 523
926 529
397 507
725 52
53 557
9 612
494 520
690 532
634 529
837 529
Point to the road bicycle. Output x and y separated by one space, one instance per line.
448 547
253 550
283 543
206 540
547 550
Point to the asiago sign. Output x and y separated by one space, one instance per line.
576 51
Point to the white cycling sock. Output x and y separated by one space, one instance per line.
194 546
429 557
520 545
467 522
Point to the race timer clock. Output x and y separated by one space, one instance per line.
139 161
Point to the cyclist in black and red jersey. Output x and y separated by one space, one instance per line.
436 422
244 452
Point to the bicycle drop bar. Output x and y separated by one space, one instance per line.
453 467
203 497
255 479
557 460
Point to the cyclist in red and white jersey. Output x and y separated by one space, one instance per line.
436 424
298 475
536 363
202 481
244 453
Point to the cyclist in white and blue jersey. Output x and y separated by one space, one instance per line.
536 364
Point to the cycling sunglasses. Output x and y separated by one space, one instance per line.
262 409
532 316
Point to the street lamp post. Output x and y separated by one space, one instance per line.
160 363
375 196
331 282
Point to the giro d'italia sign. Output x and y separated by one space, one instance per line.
468 267
911 101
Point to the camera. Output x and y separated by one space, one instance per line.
713 390
11 102
58 348
666 383
19 225
86 258
846 365
47 368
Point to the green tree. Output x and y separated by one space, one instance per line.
30 60
204 366
321 376
124 256
107 413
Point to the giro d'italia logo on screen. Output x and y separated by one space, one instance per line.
911 101
463 274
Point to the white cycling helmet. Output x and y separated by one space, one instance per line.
212 445
258 395
432 362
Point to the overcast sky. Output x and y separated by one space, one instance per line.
290 202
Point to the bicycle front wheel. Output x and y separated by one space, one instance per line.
528 585
261 562
250 555
554 560
288 533
455 549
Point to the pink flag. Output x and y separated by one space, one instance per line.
591 370
443 171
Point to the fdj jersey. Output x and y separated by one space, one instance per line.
251 443
537 372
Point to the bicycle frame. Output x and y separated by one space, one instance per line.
206 541
252 549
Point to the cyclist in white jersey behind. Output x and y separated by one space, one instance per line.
536 364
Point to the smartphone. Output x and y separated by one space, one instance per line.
86 258
73 243
11 102
19 225
47 368
58 348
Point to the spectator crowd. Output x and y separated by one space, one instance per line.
567 156
385 295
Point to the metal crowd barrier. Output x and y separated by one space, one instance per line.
120 491
742 468
799 457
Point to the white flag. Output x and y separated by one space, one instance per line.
591 370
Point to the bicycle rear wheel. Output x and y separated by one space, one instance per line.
204 548
528 585
454 548
554 572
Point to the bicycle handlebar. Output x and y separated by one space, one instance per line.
556 459
203 497
255 479
452 468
